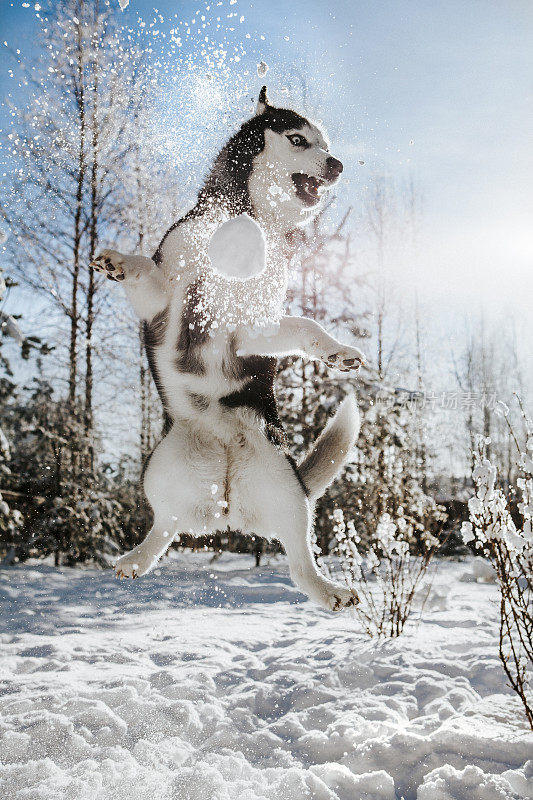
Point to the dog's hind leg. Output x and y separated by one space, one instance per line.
142 558
274 505
296 541
178 485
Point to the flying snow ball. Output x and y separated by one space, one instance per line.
262 69
123 4
238 249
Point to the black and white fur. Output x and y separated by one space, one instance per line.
222 461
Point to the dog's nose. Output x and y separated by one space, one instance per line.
334 167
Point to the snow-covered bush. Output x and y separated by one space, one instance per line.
388 474
10 519
384 551
389 576
81 525
503 533
71 512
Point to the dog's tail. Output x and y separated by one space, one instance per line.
331 450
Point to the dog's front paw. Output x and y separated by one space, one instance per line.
347 359
111 264
135 563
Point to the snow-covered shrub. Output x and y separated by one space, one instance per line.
388 474
384 551
75 513
10 519
389 576
81 525
504 535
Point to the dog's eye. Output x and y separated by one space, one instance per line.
297 140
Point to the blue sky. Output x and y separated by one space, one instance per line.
440 91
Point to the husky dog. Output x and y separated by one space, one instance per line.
222 461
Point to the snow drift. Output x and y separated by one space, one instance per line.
220 682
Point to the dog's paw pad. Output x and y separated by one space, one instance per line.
342 601
332 596
347 360
109 265
121 574
134 564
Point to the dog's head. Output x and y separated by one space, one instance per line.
295 160
277 167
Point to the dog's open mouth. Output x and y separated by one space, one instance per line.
307 188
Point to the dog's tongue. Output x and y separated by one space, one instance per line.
308 186
311 185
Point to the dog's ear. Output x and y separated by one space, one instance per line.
262 103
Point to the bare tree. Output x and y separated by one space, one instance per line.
487 373
75 144
382 220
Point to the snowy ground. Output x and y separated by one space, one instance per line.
220 682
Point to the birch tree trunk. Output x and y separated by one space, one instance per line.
79 91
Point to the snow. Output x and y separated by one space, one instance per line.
480 570
9 327
217 681
237 249
471 783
